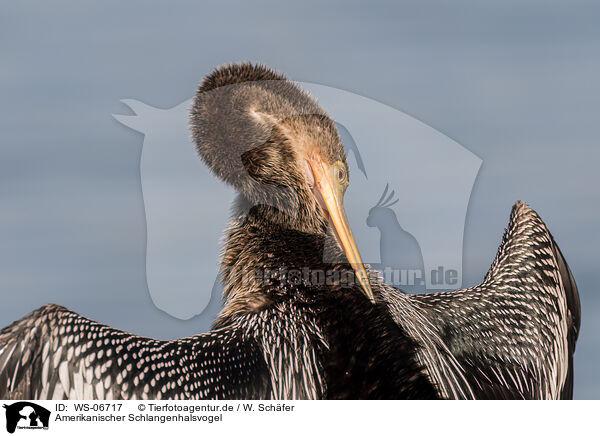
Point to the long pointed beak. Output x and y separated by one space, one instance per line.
330 195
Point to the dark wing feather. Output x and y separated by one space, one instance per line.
574 315
54 353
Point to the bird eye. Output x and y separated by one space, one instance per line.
341 174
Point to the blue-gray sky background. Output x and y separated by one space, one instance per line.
514 82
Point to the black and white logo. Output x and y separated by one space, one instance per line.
26 415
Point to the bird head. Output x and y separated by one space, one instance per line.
271 141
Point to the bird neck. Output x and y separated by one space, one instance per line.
265 257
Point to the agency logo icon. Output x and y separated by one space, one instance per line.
407 200
25 415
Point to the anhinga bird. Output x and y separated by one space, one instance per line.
285 332
282 333
512 336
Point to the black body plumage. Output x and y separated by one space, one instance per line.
305 343
293 337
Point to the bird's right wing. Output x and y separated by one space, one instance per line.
54 353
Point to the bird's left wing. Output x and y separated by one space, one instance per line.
514 334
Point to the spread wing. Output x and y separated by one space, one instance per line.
514 335
54 353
